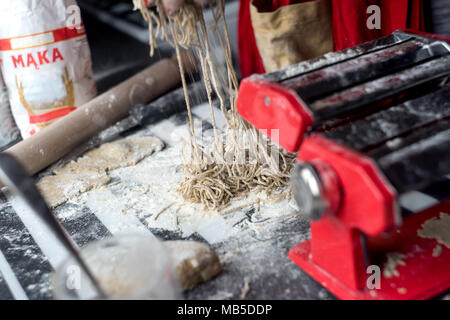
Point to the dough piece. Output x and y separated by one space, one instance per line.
120 154
195 262
73 168
91 170
438 229
59 189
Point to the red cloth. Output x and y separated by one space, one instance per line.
349 25
350 19
250 61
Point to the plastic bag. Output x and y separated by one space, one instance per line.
9 133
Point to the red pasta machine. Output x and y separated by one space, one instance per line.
371 125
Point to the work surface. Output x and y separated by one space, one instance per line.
252 244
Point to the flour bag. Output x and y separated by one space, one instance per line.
45 61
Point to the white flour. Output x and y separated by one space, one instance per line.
252 244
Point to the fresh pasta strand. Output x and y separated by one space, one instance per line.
239 160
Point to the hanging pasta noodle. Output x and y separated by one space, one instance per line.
239 160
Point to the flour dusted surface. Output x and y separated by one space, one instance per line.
91 170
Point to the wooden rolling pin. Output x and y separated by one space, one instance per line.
55 141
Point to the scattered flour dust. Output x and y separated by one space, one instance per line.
252 240
437 251
438 229
91 170
394 259
149 191
434 228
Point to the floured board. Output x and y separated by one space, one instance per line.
252 244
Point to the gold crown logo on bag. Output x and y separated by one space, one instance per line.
41 115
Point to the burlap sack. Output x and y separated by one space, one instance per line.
292 33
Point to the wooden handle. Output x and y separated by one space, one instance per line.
55 141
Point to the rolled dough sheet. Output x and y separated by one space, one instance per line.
91 170
58 189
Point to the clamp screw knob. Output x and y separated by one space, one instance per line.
315 188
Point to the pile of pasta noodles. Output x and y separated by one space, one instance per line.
239 159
